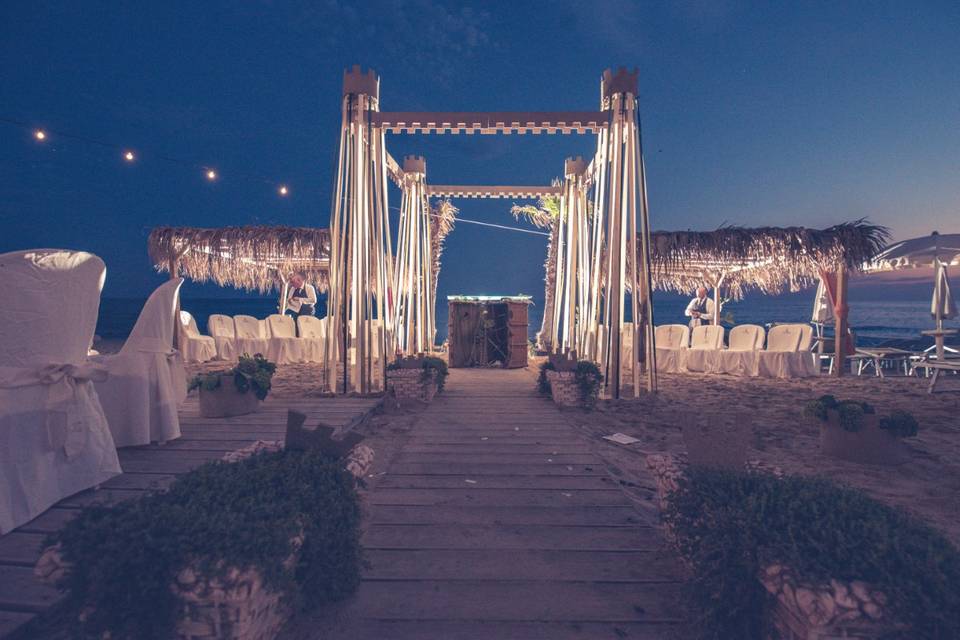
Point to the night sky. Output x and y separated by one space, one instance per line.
754 114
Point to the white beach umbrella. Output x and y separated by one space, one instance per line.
942 306
822 307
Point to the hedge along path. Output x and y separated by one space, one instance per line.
497 520
22 596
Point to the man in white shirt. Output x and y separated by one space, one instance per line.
700 309
303 297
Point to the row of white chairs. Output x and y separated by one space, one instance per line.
744 337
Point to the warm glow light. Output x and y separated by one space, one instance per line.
128 156
211 174
283 190
40 134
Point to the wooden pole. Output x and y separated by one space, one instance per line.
840 321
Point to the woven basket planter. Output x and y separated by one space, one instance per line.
566 392
226 400
411 384
869 445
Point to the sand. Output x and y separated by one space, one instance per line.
928 484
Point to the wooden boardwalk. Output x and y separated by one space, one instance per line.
22 597
498 520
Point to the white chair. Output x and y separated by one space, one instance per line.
224 336
251 337
313 338
54 438
706 341
806 337
193 346
784 338
784 358
672 341
284 344
147 382
746 337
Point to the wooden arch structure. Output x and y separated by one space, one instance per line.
374 298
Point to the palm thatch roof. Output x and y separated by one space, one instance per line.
444 216
255 258
769 259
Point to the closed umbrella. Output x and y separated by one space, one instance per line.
942 306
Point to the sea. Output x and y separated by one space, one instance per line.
882 315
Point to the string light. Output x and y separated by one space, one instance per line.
40 134
211 174
283 190
129 157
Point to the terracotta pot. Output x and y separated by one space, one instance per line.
226 400
869 445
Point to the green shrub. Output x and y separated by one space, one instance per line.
251 374
124 558
543 385
730 525
589 378
851 412
439 365
900 423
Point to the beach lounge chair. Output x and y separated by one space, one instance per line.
672 341
740 357
784 358
251 337
706 341
313 334
284 343
193 346
937 367
147 381
224 336
54 439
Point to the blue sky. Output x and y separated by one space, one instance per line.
753 113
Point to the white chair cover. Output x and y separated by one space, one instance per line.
806 337
742 355
672 341
193 346
707 336
784 337
313 335
746 337
786 356
706 343
284 345
251 338
147 382
224 336
54 439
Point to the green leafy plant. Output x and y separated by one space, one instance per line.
851 413
543 385
251 374
123 559
589 379
731 525
439 368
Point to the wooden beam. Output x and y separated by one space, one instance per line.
840 320
507 122
484 191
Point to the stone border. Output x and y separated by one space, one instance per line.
408 384
565 390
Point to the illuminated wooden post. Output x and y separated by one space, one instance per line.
414 309
840 321
360 242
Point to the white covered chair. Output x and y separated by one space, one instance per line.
784 357
742 353
224 336
251 337
672 341
54 438
147 381
313 336
706 342
284 344
193 346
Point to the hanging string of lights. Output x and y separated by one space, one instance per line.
45 135
129 155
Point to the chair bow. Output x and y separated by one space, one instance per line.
63 428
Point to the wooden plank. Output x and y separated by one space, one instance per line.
20 548
478 629
50 521
511 536
530 601
10 621
582 483
484 469
569 516
526 564
465 496
129 480
21 591
485 446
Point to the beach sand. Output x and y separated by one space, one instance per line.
928 484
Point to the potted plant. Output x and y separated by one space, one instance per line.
852 430
236 391
416 377
571 383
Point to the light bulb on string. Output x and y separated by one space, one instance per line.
40 135
129 156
